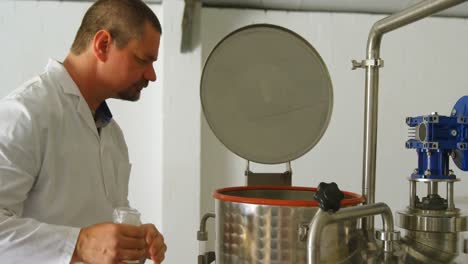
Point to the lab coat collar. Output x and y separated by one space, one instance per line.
69 87
63 77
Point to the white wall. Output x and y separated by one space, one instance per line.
181 139
32 32
425 71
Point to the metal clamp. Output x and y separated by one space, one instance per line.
272 179
387 236
430 145
367 63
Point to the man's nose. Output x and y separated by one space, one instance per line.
150 74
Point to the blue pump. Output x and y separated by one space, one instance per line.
436 138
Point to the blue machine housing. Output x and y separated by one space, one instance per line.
436 138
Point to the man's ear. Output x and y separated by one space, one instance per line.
101 44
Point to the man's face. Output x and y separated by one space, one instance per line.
131 68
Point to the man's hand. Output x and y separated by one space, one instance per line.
155 241
109 243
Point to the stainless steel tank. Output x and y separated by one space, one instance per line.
268 225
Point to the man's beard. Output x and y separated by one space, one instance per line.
133 92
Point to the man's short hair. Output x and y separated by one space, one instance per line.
124 19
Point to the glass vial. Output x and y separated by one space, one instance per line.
129 216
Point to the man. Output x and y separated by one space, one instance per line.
63 160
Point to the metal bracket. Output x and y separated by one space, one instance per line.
271 179
191 10
432 119
207 258
367 63
430 145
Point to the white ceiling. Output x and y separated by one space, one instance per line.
354 6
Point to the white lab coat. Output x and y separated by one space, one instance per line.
57 173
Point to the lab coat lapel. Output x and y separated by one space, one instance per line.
85 112
70 87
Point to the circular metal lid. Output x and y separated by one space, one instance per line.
266 94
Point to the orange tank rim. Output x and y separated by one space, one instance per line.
349 200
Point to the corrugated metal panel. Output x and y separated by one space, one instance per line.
348 6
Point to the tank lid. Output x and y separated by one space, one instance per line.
266 94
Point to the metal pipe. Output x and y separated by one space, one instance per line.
451 203
432 188
202 235
322 219
392 22
412 200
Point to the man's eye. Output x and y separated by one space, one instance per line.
141 61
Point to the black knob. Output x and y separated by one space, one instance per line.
329 196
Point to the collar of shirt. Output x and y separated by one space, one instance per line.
103 115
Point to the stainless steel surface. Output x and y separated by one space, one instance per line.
432 180
412 194
450 199
432 187
392 22
432 236
416 218
432 220
266 94
268 234
323 219
431 247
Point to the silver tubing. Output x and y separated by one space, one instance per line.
322 219
412 201
392 22
451 203
202 235
432 188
